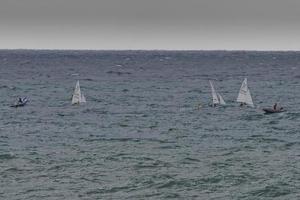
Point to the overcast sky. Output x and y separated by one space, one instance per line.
150 24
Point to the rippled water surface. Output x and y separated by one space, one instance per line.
140 135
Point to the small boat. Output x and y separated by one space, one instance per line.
20 103
244 96
78 97
216 97
271 110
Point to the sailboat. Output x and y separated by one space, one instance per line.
78 97
216 97
244 96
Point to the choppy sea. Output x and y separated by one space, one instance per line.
141 135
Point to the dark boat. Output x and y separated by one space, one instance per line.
20 103
271 110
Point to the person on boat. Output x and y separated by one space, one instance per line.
20 100
242 104
275 106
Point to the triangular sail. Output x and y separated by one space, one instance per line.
78 97
214 94
83 99
217 98
221 100
77 94
244 94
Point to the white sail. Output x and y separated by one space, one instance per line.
214 94
78 97
83 99
244 94
77 94
221 100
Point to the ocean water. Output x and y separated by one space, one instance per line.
141 135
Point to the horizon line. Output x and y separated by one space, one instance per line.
84 49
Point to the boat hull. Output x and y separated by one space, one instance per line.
19 104
271 110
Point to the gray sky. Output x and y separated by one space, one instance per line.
150 24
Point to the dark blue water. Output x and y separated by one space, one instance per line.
140 135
